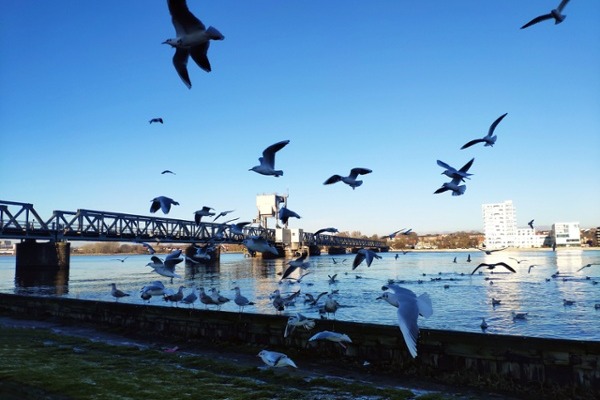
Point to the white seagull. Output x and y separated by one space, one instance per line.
222 214
332 336
409 308
162 202
490 138
275 359
556 14
349 180
166 268
240 300
267 161
192 39
205 212
295 264
452 173
285 214
260 244
298 320
454 186
364 254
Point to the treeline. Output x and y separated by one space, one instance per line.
457 240
134 248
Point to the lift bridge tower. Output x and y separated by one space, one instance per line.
268 207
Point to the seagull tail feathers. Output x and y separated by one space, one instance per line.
424 305
461 190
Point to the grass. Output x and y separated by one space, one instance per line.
37 364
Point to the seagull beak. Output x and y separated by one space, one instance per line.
379 298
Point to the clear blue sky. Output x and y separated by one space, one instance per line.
388 85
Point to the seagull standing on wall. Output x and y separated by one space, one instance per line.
349 180
267 161
488 139
192 39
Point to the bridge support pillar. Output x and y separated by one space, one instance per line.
334 250
43 265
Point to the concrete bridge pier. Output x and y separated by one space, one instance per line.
44 265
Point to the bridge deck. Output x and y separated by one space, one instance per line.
21 221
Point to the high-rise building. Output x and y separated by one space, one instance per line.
499 224
566 234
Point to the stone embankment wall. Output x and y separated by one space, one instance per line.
544 368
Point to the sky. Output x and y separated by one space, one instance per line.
389 85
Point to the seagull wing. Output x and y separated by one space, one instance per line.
360 256
407 321
562 5
508 267
289 271
155 205
198 54
479 266
444 165
269 152
466 167
332 179
471 143
183 20
441 190
536 20
180 60
156 260
495 124
170 263
354 172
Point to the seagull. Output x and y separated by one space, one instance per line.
521 316
393 234
349 180
159 120
168 171
217 298
192 39
148 247
530 223
295 264
116 293
285 214
205 298
267 161
240 300
484 325
175 297
278 301
120 259
364 254
490 138
332 336
496 302
238 229
166 268
454 186
205 212
489 252
492 266
260 244
329 230
222 214
275 359
469 258
298 320
454 261
556 14
568 302
331 305
518 261
586 266
409 308
336 261
162 202
174 254
310 299
156 288
450 172
529 269
190 298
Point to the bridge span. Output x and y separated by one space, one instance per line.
22 221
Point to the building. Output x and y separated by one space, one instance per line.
499 224
566 234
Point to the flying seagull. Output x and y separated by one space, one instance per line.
556 14
168 171
222 214
332 336
409 308
295 264
451 172
192 39
285 214
267 161
330 230
530 223
159 120
489 252
166 268
492 266
205 212
490 138
162 202
454 186
364 254
393 234
260 244
586 266
349 180
275 359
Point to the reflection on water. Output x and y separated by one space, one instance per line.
459 299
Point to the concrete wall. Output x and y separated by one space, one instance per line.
543 368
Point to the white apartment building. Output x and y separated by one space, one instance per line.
566 234
499 224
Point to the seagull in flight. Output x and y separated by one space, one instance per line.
364 254
530 223
492 266
454 186
490 138
267 161
452 173
295 264
168 171
222 214
162 202
349 180
517 260
393 234
159 120
205 212
275 359
556 14
329 230
260 244
192 39
586 266
166 268
489 252
285 214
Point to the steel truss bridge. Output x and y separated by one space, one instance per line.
21 221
